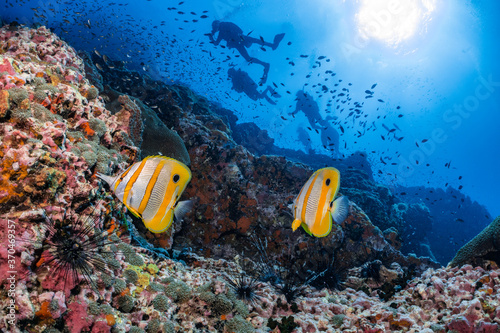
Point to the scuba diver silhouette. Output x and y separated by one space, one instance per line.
242 82
235 38
306 104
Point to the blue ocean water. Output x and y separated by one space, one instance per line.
413 83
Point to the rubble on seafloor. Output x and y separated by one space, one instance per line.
57 130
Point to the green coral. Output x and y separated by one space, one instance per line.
48 88
486 245
337 320
78 136
93 309
131 276
241 308
135 329
40 112
107 280
126 303
106 309
169 327
154 326
98 126
222 304
153 286
38 81
120 285
39 95
90 157
160 303
206 287
105 157
92 93
232 296
113 263
239 325
179 291
207 297
17 95
130 256
21 115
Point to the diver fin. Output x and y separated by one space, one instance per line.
277 39
340 209
182 208
296 223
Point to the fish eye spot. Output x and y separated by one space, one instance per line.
176 178
331 204
327 183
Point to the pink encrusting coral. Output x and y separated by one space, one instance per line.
56 133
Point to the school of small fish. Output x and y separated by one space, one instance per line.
92 27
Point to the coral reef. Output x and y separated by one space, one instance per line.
56 133
485 246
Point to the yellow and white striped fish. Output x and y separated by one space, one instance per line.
151 188
314 208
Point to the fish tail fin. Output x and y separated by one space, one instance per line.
296 223
182 208
340 209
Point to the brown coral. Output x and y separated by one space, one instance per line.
486 245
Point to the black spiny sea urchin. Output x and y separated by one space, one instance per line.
372 270
244 287
72 250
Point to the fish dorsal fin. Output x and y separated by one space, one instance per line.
340 209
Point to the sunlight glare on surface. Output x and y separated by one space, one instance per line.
394 21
